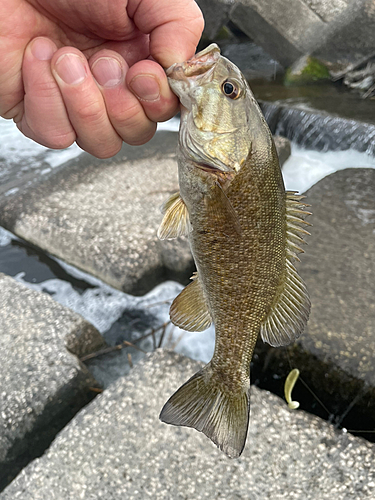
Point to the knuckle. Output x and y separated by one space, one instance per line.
129 119
90 112
46 89
133 126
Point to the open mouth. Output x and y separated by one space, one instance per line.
198 65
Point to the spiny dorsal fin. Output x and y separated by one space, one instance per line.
176 219
288 316
189 309
295 220
203 403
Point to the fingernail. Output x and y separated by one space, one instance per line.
107 71
71 69
43 49
145 87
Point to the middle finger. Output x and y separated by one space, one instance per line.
84 103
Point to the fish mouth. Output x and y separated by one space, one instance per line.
198 65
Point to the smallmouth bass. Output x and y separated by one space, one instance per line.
244 231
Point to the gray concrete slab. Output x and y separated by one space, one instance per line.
328 10
117 448
286 30
102 216
42 383
351 38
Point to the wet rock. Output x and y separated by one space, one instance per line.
102 216
215 16
117 448
42 383
283 148
328 10
253 61
306 70
336 353
286 30
351 38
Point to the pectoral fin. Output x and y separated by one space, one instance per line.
176 219
189 309
220 208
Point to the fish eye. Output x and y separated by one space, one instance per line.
230 89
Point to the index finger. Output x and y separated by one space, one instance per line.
174 27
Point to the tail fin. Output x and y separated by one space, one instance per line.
202 404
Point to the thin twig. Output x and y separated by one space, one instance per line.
107 350
369 92
163 333
130 361
167 301
354 66
153 339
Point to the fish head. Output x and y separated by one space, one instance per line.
216 103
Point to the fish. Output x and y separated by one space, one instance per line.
245 233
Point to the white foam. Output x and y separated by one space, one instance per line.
305 167
17 148
5 237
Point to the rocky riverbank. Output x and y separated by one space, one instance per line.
61 437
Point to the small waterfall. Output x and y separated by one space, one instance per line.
317 130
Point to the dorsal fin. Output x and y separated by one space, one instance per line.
289 314
176 219
295 219
189 310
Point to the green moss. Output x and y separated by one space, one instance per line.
224 34
306 70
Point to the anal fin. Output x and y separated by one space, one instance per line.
288 316
176 219
189 310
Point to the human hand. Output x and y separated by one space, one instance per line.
71 69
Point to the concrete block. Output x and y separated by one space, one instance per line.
286 30
42 383
117 448
102 216
351 38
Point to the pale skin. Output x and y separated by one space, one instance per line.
91 71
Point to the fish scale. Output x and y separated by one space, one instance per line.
244 231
